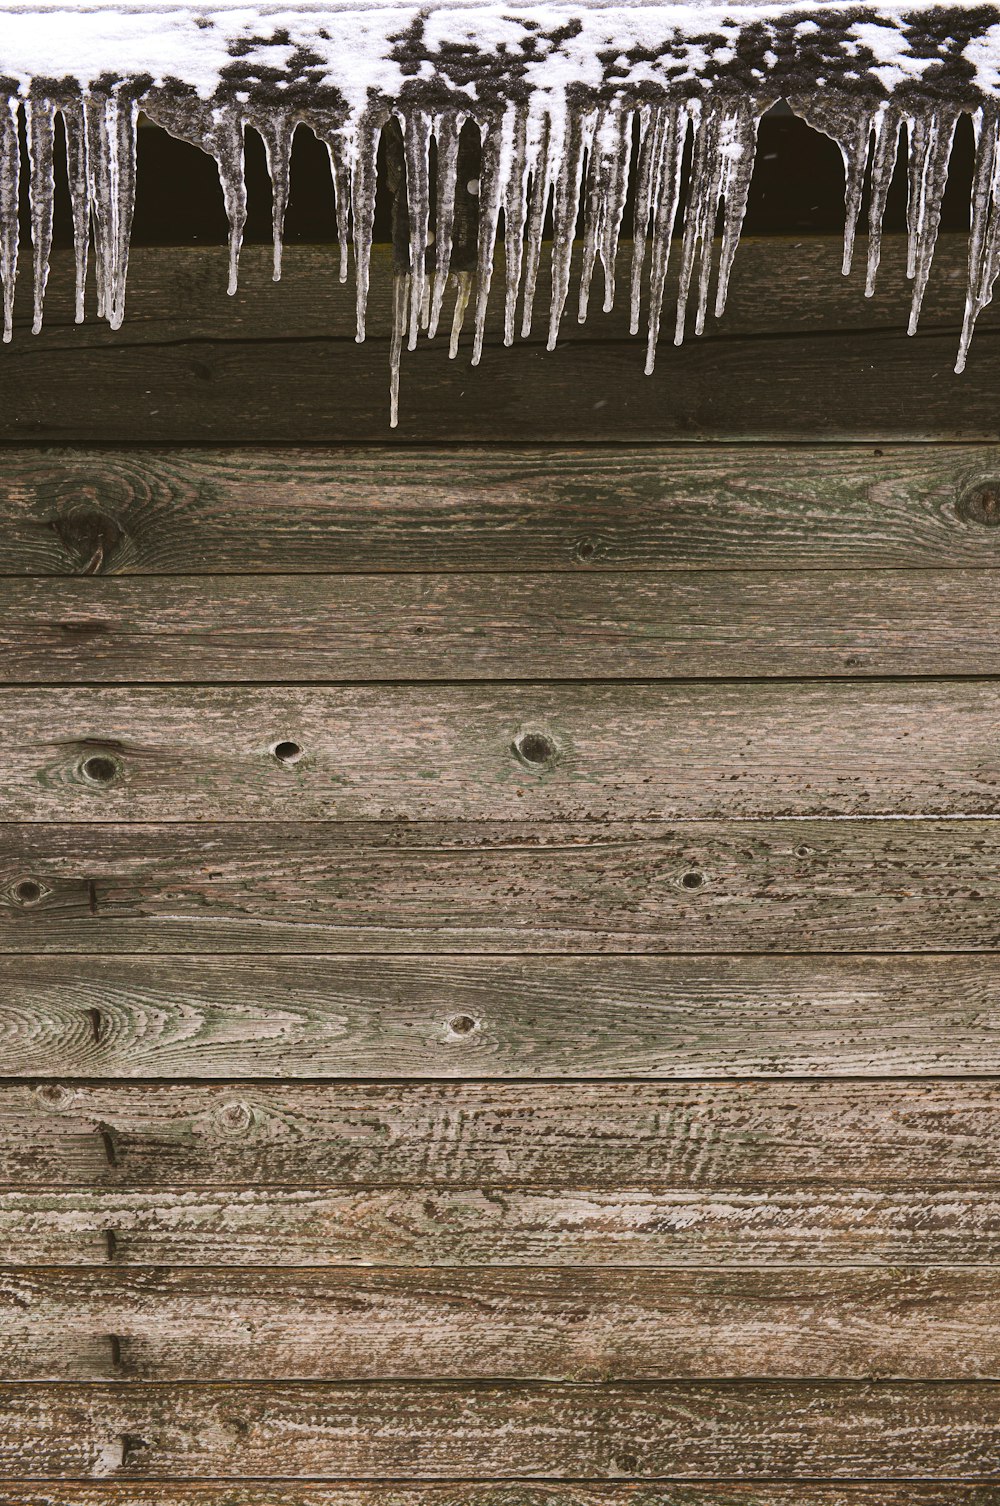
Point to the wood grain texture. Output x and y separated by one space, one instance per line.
561 1226
543 751
490 626
499 1493
435 1431
499 1017
570 1325
800 355
501 886
306 510
756 1134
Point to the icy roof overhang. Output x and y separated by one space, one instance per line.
570 104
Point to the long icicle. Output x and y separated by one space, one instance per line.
40 123
78 175
10 201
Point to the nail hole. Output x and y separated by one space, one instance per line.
535 748
287 752
28 892
981 504
99 769
461 1024
693 880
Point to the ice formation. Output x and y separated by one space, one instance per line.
495 117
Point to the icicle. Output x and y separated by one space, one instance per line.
363 209
850 126
739 150
704 193
651 123
447 131
75 128
546 149
40 117
886 126
515 215
463 292
984 231
565 212
930 138
664 193
402 284
111 130
217 130
10 167
605 203
416 126
494 176
276 130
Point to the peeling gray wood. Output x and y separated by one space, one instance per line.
280 364
499 1017
688 1430
561 1226
491 626
549 752
755 1135
495 886
583 1325
306 510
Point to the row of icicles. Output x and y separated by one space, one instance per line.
529 168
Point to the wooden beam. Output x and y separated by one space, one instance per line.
501 886
756 1135
486 626
562 1325
497 1493
766 1429
307 510
801 355
552 752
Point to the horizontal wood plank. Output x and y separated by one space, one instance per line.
501 886
486 626
573 1325
800 355
307 510
755 1135
499 1493
499 1017
587 751
435 1431
564 1226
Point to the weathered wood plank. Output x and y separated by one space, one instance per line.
500 1493
483 626
564 1226
495 886
549 751
281 365
148 512
754 1135
688 1430
312 1017
582 1325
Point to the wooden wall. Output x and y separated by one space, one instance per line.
498 987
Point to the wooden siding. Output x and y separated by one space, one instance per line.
498 941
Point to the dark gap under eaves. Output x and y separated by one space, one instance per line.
797 190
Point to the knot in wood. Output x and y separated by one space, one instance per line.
100 768
27 892
981 504
536 750
462 1024
91 539
236 1118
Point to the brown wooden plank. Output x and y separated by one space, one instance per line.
586 751
433 1431
281 365
562 1226
576 1017
499 1493
175 512
306 510
483 626
497 886
754 1135
574 1325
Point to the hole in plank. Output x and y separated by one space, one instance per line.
28 892
693 880
535 749
462 1024
99 769
287 752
